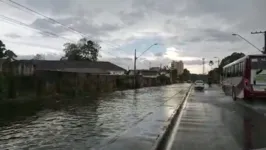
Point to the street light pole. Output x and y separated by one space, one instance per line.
234 34
218 61
260 32
135 59
219 71
203 65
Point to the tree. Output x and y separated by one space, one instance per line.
39 57
215 73
5 53
10 55
83 50
234 56
185 76
211 63
173 75
2 49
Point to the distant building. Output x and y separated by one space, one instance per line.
28 67
179 66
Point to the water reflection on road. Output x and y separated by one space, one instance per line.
86 123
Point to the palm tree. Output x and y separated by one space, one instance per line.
211 63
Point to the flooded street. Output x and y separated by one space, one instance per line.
87 123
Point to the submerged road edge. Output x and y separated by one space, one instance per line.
163 140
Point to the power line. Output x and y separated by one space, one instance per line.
19 6
26 25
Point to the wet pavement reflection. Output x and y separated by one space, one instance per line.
216 119
86 123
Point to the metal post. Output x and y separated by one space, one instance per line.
203 65
219 72
264 50
135 59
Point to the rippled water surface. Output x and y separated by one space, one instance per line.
86 123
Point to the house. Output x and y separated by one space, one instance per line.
145 73
28 67
99 67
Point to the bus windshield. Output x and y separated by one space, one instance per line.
258 63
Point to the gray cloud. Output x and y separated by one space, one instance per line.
196 28
213 35
130 18
79 24
12 35
192 62
47 56
218 35
52 6
158 54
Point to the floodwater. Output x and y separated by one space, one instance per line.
85 123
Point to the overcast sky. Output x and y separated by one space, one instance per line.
186 29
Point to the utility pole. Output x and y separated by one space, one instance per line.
149 65
262 32
203 65
135 58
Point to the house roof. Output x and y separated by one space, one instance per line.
53 65
84 70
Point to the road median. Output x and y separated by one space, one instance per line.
162 141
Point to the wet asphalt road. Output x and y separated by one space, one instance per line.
93 123
212 120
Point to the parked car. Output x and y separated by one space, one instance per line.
199 85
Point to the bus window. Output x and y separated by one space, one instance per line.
230 69
258 63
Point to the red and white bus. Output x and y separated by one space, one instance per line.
245 78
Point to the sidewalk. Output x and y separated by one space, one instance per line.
200 126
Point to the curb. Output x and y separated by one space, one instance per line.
163 138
